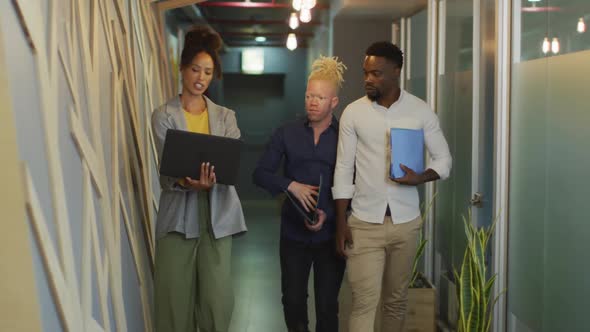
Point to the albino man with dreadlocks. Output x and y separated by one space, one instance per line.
308 147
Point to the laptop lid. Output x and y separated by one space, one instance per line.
184 152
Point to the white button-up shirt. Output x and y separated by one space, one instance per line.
364 144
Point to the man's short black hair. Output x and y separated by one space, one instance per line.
387 50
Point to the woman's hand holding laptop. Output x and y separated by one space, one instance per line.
205 181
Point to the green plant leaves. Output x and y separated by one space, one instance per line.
474 291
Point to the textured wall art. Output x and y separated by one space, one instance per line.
98 73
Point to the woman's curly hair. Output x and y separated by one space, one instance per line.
201 39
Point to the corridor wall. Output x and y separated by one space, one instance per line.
351 37
82 78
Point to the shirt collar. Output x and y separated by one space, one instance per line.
397 102
333 124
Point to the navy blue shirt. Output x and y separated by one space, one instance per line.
303 162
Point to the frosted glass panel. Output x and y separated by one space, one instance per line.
549 224
459 35
416 63
418 40
528 170
455 96
567 246
454 106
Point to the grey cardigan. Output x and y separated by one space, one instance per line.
178 209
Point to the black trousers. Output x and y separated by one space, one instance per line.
297 259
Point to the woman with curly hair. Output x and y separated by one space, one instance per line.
196 217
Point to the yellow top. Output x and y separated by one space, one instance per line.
197 123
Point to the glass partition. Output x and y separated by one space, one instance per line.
454 106
549 225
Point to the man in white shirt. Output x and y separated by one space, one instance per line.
379 238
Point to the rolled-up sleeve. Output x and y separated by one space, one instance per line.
438 149
344 173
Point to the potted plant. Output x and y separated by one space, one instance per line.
421 314
474 288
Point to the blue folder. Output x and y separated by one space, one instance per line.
407 147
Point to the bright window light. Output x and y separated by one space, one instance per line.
253 61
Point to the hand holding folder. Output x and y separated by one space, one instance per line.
407 148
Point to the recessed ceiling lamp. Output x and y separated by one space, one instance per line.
260 39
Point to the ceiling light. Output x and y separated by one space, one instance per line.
291 41
534 0
309 4
555 45
297 4
293 21
305 15
545 46
260 39
581 25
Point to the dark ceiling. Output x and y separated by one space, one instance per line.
239 23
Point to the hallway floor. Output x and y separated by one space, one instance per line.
257 277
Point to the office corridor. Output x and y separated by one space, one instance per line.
256 271
80 195
257 275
